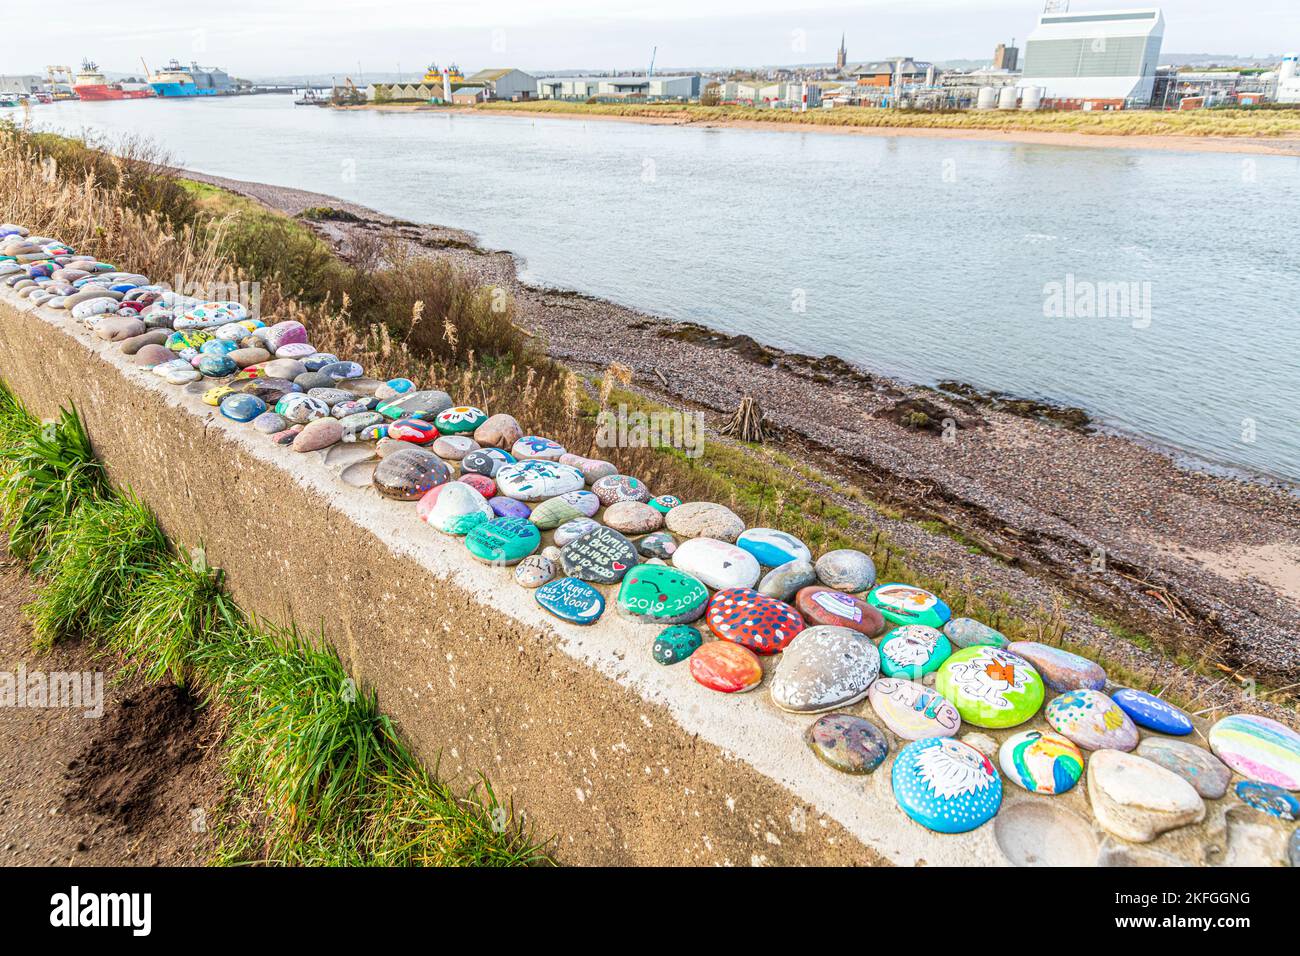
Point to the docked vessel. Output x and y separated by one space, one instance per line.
91 85
175 80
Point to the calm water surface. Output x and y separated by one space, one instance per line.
923 258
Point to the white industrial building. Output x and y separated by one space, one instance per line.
1288 81
1098 60
634 86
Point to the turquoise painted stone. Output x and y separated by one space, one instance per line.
602 556
426 405
1041 761
408 473
659 592
1060 670
675 644
946 785
217 347
1147 710
1266 798
912 651
665 503
848 743
904 604
570 599
773 548
217 366
459 419
505 541
400 386
968 632
990 687
242 408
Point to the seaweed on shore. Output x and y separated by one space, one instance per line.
1067 416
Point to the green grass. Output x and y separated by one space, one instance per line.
318 774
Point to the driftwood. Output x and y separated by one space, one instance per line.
747 423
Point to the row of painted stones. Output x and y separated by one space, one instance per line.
503 500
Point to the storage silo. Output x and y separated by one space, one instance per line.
987 99
1007 98
1031 98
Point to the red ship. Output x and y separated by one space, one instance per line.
91 86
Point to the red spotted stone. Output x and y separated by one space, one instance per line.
761 623
484 485
413 430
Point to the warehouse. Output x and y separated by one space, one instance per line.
1103 60
505 84
619 87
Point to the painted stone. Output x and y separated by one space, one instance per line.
633 517
1060 670
990 687
946 785
394 387
484 485
486 461
453 508
454 447
213 396
848 743
282 333
408 473
1258 748
1266 798
271 390
663 594
413 430
242 408
535 447
1092 720
296 350
363 426
287 436
664 503
1147 710
499 431
912 651
283 368
726 667
846 570
772 548
1204 771
1137 800
210 347
904 604
342 371
509 508
912 711
300 408
217 366
763 624
317 434
659 545
459 419
538 480
968 632
330 396
786 580
821 605
615 488
534 571
822 668
1041 761
503 541
554 512
593 469
183 341
425 405
602 556
177 372
318 360
704 519
716 563
571 600
676 643
268 423
572 530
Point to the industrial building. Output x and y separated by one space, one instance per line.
1101 60
505 84
903 71
1288 80
635 86
777 94
27 84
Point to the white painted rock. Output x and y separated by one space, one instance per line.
824 667
704 519
1138 800
538 480
718 564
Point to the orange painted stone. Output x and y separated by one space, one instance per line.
726 667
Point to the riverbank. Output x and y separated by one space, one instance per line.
1169 571
1265 136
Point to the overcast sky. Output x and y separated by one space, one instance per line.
270 37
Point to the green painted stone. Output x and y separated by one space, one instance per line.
990 687
459 419
504 541
659 592
905 604
675 644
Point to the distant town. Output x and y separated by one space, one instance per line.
1090 61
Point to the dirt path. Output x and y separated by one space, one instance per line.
138 785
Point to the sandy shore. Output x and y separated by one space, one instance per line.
1274 146
1094 524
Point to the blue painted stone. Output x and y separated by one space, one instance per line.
342 370
946 785
400 385
314 363
571 600
1149 711
773 548
508 507
241 407
217 366
505 541
218 347
675 644
1270 799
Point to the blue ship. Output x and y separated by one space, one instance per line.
178 81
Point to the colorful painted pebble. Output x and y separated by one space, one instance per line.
990 687
665 503
658 592
676 643
1270 799
537 480
913 711
946 785
507 507
413 430
823 605
504 541
537 447
453 508
1041 761
716 563
459 419
849 743
602 556
726 667
823 668
1204 771
1147 710
612 489
485 486
773 548
242 408
408 473
1060 670
425 404
486 461
763 624
912 651
570 599
904 604
1092 720
1258 748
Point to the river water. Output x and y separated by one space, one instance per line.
928 259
